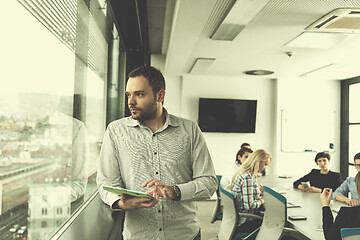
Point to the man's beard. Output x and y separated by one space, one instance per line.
146 113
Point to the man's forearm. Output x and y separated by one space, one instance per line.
341 198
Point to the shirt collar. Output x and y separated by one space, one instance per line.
170 121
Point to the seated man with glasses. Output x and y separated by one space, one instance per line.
347 186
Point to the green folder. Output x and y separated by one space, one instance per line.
120 191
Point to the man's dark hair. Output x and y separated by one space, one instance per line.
245 144
357 156
322 155
241 153
153 75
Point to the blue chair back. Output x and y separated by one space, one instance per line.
350 233
230 217
217 213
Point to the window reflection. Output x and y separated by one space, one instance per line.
47 156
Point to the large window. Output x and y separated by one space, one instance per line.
354 124
350 125
52 111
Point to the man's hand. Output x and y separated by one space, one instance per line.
352 202
325 196
128 202
159 189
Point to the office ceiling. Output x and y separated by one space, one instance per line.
181 30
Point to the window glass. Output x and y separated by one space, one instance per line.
354 102
354 133
48 152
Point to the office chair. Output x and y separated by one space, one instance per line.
350 233
275 215
231 217
217 213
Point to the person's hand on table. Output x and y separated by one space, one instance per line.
312 189
352 202
302 187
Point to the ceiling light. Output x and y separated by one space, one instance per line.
318 40
240 14
258 72
321 71
201 65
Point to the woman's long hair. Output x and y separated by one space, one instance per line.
252 164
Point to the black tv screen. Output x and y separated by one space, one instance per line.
227 115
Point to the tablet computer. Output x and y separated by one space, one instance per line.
119 191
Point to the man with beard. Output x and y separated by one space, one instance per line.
158 153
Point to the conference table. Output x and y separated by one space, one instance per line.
309 206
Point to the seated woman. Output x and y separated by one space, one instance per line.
319 179
247 191
348 217
242 155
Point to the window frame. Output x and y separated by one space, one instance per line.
344 125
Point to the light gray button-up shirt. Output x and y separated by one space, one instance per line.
347 186
177 155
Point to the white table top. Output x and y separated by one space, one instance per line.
310 203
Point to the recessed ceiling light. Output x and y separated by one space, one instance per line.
258 72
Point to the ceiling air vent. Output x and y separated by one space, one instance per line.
342 20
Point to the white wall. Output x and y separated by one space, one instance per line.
305 95
173 86
314 100
224 146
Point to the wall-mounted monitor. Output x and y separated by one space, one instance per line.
227 115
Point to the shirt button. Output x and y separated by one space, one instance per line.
160 229
154 135
156 172
159 210
155 153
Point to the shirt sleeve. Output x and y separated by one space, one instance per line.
108 170
342 190
336 181
204 182
331 229
305 178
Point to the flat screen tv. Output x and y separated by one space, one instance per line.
227 115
